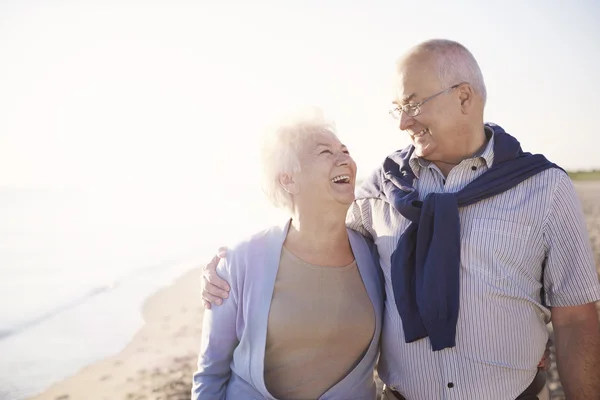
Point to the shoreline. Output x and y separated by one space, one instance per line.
158 361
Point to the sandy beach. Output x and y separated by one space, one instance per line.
159 361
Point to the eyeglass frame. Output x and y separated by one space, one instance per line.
417 106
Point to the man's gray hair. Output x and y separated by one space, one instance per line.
281 148
454 63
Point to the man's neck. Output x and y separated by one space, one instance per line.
473 144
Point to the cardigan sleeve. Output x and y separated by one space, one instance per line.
219 340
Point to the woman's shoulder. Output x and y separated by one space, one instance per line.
258 241
254 249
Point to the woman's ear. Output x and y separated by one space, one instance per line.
288 184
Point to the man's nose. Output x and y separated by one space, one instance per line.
405 121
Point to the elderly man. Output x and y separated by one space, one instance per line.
481 245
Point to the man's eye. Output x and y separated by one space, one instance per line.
326 152
346 152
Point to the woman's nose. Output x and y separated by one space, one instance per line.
343 159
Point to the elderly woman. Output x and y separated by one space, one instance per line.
304 314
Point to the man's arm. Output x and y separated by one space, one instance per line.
577 340
572 288
359 218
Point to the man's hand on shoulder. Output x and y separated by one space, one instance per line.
214 289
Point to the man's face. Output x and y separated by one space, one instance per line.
434 129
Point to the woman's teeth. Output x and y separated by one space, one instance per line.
341 178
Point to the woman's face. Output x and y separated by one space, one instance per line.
327 176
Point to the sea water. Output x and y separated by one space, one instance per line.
76 267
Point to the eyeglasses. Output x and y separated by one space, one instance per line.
412 110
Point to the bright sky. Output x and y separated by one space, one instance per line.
171 95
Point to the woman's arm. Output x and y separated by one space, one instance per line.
219 340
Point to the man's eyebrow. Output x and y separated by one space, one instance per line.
408 98
405 99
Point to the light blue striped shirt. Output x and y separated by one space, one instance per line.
512 245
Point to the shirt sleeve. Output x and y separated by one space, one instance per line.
570 276
359 218
219 340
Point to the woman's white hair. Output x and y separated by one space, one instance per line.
454 63
281 148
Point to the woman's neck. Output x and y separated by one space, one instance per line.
320 239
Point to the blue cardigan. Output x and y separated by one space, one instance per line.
234 335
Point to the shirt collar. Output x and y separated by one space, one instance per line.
486 153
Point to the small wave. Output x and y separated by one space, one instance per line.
5 333
57 310
83 298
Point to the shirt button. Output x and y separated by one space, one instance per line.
450 385
473 168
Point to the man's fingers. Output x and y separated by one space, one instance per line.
207 297
209 289
214 284
214 289
212 265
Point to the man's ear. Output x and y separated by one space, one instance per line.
288 184
467 97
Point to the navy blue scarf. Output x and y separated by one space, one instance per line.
426 262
